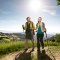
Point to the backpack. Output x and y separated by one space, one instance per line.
33 29
29 28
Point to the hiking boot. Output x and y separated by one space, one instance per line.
38 49
32 49
43 51
26 49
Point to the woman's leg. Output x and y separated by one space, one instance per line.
41 40
38 42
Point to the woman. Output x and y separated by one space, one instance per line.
40 26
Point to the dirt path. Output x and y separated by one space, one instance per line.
10 56
13 55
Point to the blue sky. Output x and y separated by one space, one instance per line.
13 14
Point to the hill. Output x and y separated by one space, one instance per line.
22 35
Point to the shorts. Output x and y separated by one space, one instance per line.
29 35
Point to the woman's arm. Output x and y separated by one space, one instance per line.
36 27
45 30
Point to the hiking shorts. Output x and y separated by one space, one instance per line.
29 35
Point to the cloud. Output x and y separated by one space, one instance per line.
23 8
51 12
4 12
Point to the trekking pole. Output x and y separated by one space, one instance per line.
46 38
48 48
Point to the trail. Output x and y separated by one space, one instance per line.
12 56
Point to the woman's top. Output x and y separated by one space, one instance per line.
40 28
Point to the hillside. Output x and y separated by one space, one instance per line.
22 35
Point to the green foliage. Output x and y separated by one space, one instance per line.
13 46
6 40
9 38
57 37
1 37
58 2
10 47
19 45
50 43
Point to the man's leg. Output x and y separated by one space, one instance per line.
32 45
26 41
32 40
26 44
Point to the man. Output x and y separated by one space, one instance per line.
29 30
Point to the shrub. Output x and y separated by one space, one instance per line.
6 40
57 37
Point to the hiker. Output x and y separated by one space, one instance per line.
29 30
40 27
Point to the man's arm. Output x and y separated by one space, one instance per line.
24 26
33 26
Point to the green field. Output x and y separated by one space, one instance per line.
6 48
12 46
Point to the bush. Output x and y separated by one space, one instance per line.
57 37
6 40
50 43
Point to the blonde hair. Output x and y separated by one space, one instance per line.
40 18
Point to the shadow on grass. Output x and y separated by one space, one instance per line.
42 56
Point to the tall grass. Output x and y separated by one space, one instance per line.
50 43
19 45
13 46
10 47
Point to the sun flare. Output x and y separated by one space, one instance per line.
35 5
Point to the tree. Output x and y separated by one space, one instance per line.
58 2
57 37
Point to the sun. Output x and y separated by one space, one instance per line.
35 5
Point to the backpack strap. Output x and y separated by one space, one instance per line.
44 26
33 29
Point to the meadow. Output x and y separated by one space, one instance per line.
9 47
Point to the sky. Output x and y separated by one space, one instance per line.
13 14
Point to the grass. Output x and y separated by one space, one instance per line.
12 46
6 48
52 43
